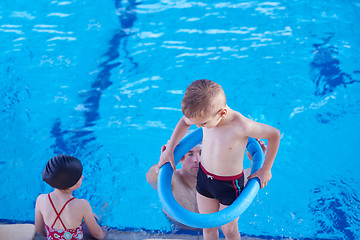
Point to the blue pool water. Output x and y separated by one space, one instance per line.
103 80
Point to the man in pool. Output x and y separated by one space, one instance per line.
184 181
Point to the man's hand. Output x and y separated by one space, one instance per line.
263 147
263 174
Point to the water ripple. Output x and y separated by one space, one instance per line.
22 15
335 205
64 3
163 6
62 38
242 30
313 106
237 5
268 8
150 35
11 28
167 108
58 15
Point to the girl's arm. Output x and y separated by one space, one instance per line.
39 220
90 221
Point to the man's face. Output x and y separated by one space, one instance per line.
190 161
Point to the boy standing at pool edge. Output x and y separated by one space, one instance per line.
225 134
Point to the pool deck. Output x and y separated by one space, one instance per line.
28 231
142 235
113 234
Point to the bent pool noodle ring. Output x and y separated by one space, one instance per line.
210 220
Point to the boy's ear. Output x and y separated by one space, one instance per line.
223 112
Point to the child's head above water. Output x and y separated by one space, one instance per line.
62 172
203 98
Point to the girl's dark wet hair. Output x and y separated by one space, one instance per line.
62 172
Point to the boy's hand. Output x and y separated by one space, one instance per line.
263 174
165 157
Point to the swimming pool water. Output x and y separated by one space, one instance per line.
103 80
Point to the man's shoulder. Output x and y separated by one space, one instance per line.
178 179
177 175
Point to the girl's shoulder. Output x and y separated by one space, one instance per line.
81 206
80 203
41 197
75 201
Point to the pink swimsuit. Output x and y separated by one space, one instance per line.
67 234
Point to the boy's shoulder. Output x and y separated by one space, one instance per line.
238 123
237 119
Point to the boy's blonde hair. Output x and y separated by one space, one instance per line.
202 97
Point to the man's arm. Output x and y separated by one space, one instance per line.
152 175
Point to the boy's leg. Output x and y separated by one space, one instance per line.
231 229
208 205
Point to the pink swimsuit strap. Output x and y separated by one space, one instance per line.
58 214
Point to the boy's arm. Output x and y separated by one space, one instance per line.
179 132
263 131
247 171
